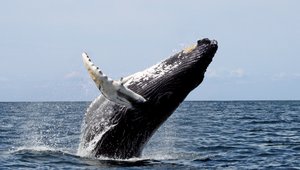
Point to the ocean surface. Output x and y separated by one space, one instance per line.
199 135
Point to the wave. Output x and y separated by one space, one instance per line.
39 150
48 149
59 157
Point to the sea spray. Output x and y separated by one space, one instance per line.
86 148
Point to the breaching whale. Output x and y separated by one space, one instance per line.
120 122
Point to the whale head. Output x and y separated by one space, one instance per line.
169 82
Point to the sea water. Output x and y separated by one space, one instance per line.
199 135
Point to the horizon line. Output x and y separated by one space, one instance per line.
221 100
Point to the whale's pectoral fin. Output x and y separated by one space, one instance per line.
129 95
114 91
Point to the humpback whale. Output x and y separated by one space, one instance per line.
120 122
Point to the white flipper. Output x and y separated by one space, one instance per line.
114 91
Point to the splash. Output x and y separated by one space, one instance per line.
86 149
35 148
43 126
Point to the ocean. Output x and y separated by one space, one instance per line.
199 135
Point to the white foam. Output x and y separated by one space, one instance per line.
86 149
35 148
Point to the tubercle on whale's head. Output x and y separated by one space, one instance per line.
210 46
199 56
206 48
203 42
195 58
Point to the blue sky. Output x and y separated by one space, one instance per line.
41 44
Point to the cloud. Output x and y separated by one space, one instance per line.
239 73
226 73
212 73
285 76
279 76
72 75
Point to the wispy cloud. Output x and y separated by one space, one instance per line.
279 76
226 73
72 75
211 73
239 73
285 76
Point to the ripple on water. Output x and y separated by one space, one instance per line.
199 135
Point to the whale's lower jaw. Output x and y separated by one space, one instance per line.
116 131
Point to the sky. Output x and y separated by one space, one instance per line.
41 44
